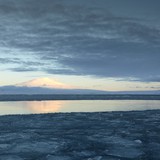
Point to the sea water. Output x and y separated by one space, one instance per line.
53 106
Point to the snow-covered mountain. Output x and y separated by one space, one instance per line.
45 86
51 86
44 82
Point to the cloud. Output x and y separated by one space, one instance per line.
9 60
154 78
23 69
74 39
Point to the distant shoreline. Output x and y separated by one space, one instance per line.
41 97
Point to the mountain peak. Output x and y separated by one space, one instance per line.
44 82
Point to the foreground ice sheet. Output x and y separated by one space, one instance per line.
81 136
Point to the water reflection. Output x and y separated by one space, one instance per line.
27 107
44 106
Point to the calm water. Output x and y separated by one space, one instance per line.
27 107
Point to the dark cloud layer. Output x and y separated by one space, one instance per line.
73 38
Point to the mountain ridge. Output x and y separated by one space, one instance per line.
51 86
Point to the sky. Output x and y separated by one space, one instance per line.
94 44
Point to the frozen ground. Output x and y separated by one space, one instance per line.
81 136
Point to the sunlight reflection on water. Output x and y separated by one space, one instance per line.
27 107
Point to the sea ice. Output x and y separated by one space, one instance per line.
81 136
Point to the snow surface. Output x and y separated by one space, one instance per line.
81 136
